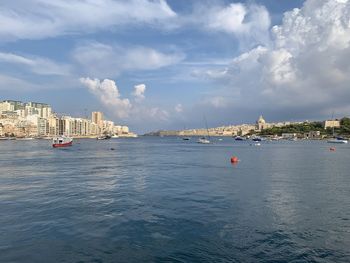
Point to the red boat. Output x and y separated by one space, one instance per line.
62 142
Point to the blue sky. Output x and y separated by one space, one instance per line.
164 64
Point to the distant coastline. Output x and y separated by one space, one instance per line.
310 130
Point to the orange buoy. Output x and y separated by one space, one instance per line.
234 159
332 149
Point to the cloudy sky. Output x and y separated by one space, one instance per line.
164 64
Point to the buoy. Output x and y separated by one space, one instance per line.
332 149
234 159
112 149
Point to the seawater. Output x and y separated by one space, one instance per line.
166 200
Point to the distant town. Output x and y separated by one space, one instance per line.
31 119
287 130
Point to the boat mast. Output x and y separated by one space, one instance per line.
206 125
333 124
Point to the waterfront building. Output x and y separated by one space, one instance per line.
107 127
53 125
261 123
331 124
313 135
43 110
11 105
97 117
289 135
12 115
26 109
43 127
125 129
37 119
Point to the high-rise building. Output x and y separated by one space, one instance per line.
97 118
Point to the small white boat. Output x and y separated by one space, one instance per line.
62 141
337 140
115 136
103 137
25 139
203 141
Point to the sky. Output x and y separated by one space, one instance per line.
165 64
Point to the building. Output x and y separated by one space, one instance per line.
11 105
289 135
261 123
37 119
313 135
43 127
331 124
97 118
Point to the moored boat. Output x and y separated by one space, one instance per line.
103 137
203 140
337 140
62 142
24 138
256 139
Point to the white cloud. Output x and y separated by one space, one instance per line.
159 114
239 18
107 61
38 65
139 92
37 19
305 69
179 108
108 93
250 23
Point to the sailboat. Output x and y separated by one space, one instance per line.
204 140
336 139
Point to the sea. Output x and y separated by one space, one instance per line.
163 199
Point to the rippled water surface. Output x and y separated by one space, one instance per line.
168 200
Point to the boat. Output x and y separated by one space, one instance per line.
203 140
239 138
337 140
257 139
186 138
62 141
276 138
24 138
115 136
103 137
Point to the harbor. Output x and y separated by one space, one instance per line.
284 199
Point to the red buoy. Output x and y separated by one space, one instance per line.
234 159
